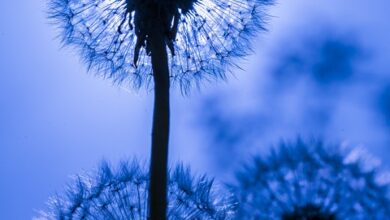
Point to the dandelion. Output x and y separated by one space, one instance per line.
127 41
122 193
114 36
327 59
308 181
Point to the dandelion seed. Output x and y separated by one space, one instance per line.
116 38
123 193
308 181
203 36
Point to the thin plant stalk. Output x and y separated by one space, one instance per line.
160 130
116 37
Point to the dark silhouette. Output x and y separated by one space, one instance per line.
308 212
160 132
116 39
121 192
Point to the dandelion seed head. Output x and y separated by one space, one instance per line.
204 36
122 193
310 181
327 58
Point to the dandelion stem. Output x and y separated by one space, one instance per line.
160 130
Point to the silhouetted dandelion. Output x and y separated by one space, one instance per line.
116 38
202 35
309 181
123 194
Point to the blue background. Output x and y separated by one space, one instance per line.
57 120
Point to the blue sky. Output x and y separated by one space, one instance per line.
318 74
58 120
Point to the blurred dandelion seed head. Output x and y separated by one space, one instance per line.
311 181
204 35
122 193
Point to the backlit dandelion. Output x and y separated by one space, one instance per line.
123 193
310 181
202 35
127 41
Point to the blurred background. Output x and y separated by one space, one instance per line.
321 71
